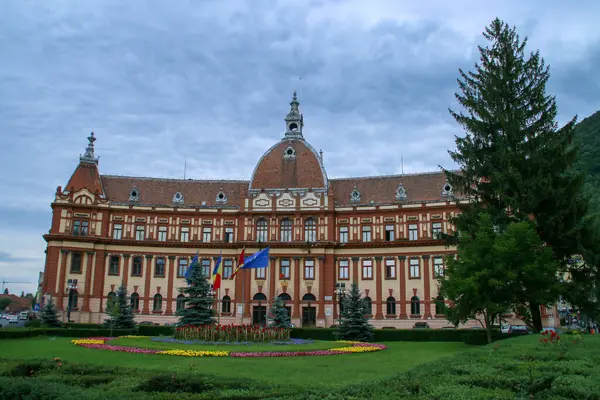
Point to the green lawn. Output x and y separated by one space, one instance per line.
255 347
327 371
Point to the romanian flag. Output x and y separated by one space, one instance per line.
216 275
240 262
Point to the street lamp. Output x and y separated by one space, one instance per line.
340 291
71 291
212 293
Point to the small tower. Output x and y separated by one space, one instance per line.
88 157
294 121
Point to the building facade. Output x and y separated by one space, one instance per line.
380 232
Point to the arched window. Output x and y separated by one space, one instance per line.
111 298
157 302
309 297
259 297
226 305
440 306
390 306
135 301
310 230
262 230
368 305
415 306
286 230
285 297
180 302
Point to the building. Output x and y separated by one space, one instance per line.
323 233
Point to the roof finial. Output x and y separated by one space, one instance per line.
294 120
89 151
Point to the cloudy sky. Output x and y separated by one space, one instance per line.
209 82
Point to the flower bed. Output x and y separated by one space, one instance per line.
232 333
163 339
356 347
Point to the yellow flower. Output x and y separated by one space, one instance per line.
133 337
194 353
87 341
356 349
347 341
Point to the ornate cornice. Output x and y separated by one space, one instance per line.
378 258
149 256
355 259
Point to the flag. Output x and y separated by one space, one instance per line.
216 275
188 271
240 262
257 260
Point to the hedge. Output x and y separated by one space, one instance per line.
17 333
407 335
155 330
82 325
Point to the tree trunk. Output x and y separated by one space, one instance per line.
536 316
488 326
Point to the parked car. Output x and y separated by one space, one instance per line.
421 325
504 328
517 330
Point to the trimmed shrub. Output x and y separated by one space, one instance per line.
156 330
17 333
81 325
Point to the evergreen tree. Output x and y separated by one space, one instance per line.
514 158
279 314
48 317
121 314
198 308
354 325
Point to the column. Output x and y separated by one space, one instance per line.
378 289
355 269
427 284
247 291
402 280
146 270
99 276
321 299
61 283
335 298
88 282
170 279
296 299
272 276
125 269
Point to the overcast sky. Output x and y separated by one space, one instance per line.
209 82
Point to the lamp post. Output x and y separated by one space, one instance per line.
340 290
70 291
213 294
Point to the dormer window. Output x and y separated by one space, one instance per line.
289 153
178 198
400 193
134 194
447 190
355 195
221 198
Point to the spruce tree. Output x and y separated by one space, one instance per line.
198 308
279 314
48 316
354 325
514 159
121 314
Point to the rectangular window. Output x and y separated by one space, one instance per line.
118 231
228 235
261 273
436 230
284 269
309 268
343 234
140 232
113 265
227 268
80 228
366 233
390 269
136 268
162 233
438 266
75 263
159 267
415 268
185 234
389 233
344 272
206 267
206 234
367 269
182 267
413 233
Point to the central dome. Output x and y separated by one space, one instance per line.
291 163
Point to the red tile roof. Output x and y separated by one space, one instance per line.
85 176
18 303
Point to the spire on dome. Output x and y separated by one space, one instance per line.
88 157
294 120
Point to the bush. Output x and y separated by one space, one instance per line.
33 323
71 325
156 330
17 333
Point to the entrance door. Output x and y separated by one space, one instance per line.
309 316
259 315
